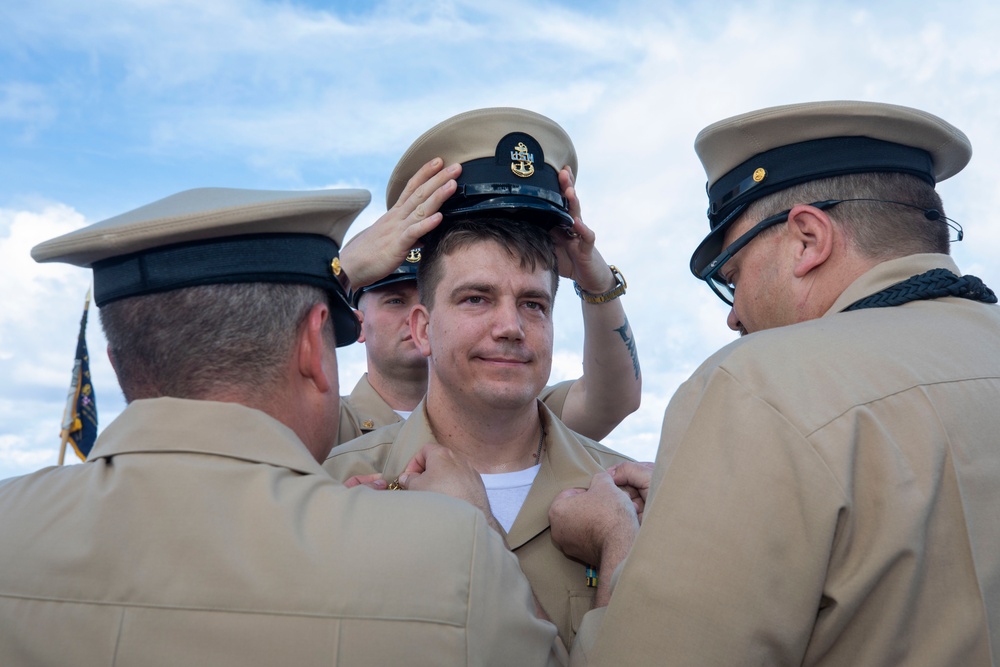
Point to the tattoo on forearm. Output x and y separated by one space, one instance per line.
626 333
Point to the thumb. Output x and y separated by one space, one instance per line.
568 493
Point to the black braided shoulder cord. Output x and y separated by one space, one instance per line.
933 284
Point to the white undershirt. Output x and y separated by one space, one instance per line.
507 492
404 414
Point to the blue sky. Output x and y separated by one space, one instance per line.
108 105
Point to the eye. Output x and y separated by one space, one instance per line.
536 306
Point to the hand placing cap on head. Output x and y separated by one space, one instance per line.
407 271
510 165
752 155
219 235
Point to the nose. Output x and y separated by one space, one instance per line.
507 323
734 321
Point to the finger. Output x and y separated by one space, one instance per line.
573 204
632 492
566 177
586 234
601 479
424 174
418 463
366 480
633 473
425 216
427 197
407 478
568 493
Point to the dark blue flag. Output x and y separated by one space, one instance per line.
79 426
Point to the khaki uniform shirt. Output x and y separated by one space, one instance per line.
568 460
364 410
203 533
826 493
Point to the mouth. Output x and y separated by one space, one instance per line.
505 360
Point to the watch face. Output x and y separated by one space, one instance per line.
610 295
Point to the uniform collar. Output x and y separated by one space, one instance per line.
565 463
160 425
414 433
888 273
369 405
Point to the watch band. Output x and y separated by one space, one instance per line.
610 295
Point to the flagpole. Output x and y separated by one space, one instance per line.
74 391
62 446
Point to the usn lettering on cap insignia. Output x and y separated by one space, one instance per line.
522 163
413 256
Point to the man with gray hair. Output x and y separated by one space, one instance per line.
826 487
202 529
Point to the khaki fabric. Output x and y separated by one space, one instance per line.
825 494
364 410
569 460
203 533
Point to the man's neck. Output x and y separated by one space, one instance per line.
400 394
494 441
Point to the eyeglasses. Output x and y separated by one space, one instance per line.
727 291
710 274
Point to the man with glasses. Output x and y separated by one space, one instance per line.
826 487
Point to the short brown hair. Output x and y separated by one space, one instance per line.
194 342
878 229
528 242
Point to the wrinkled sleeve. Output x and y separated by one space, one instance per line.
554 396
729 564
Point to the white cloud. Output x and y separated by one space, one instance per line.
39 324
310 96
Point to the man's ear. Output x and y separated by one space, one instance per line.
420 322
813 232
361 320
311 348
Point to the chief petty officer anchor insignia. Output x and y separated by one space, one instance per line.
522 163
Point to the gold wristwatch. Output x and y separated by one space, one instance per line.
610 295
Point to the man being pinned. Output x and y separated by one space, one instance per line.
487 284
515 181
